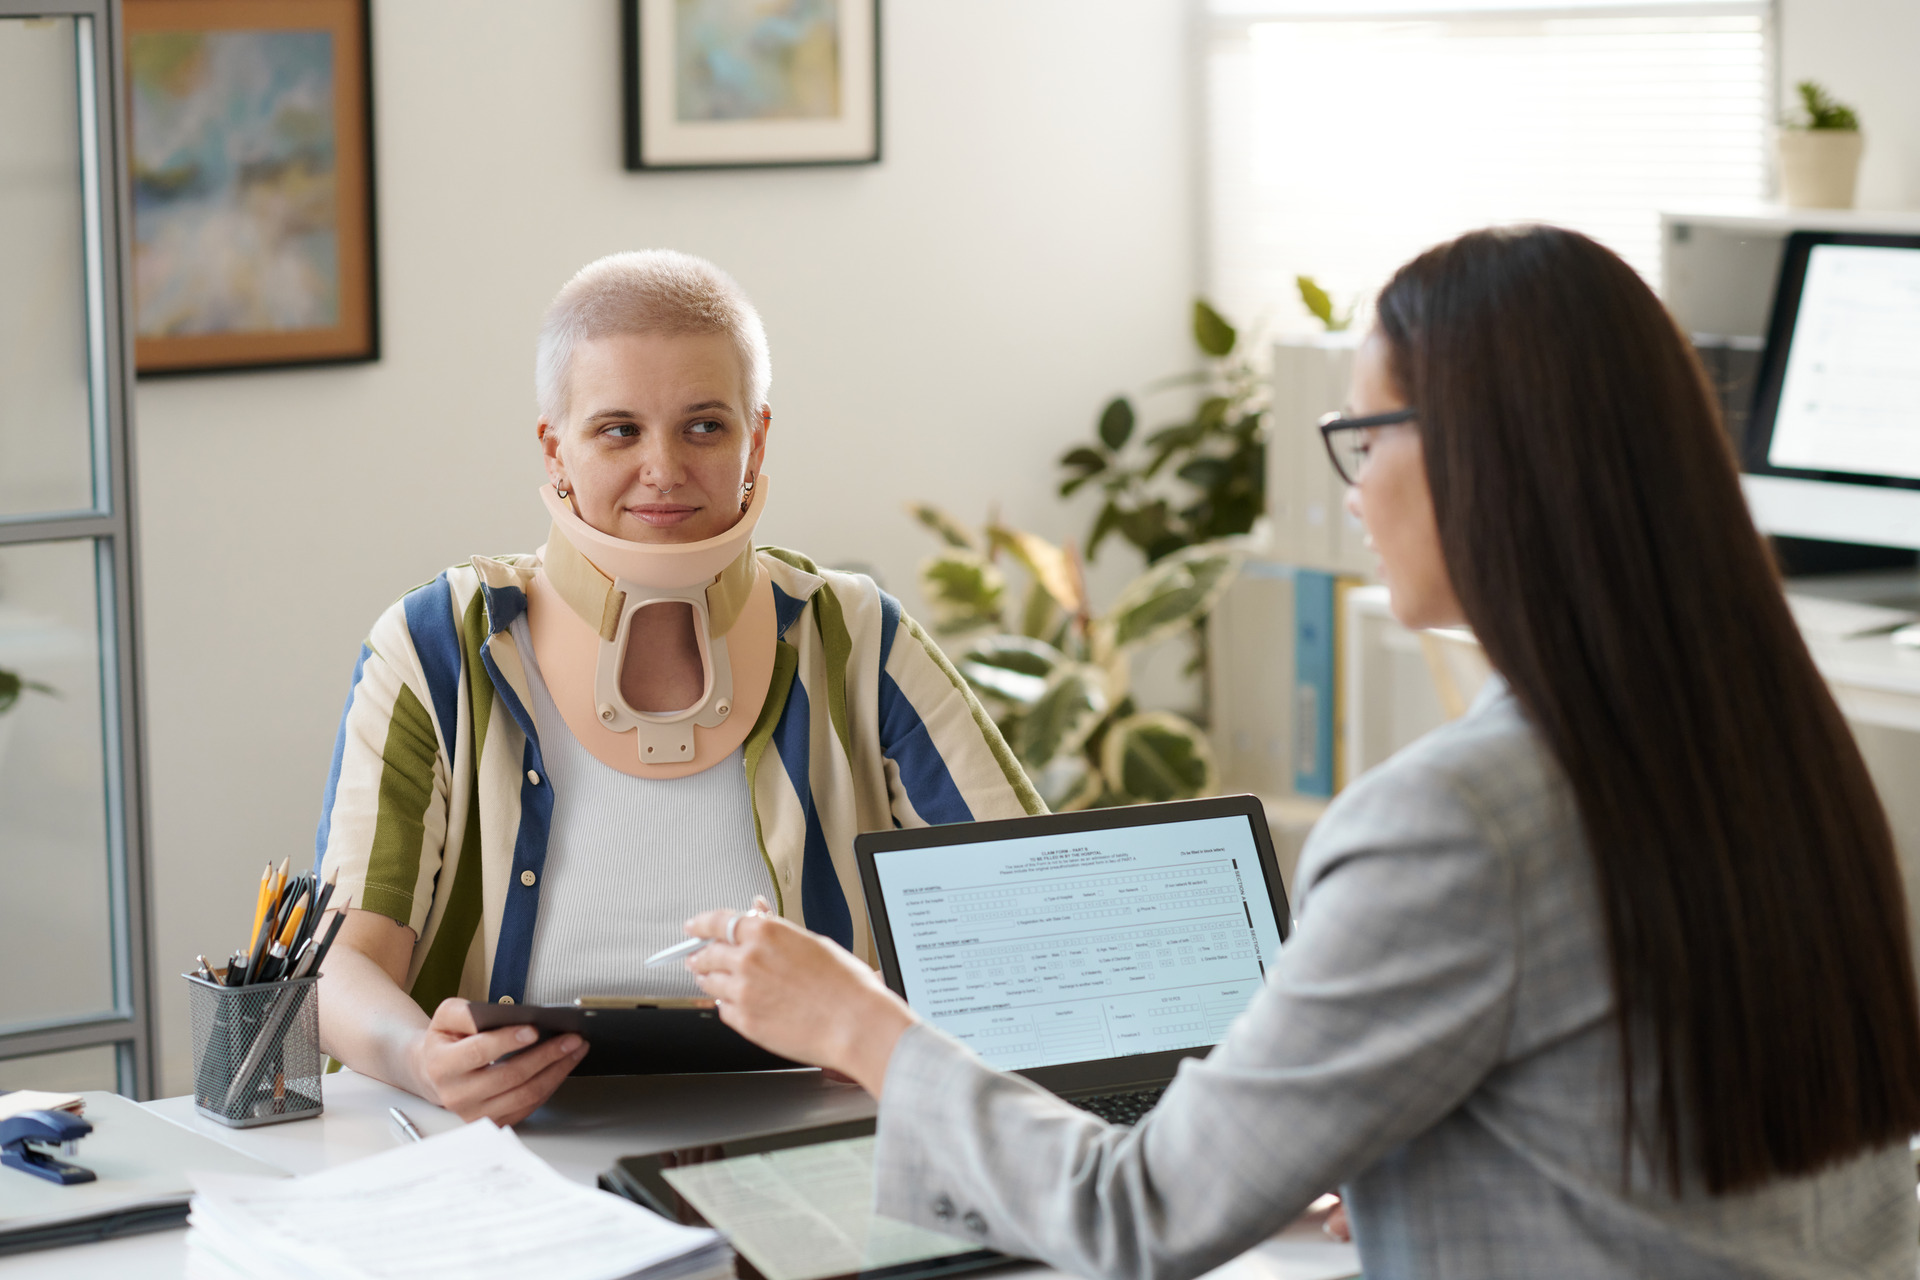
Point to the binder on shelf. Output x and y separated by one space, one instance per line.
1314 694
1250 667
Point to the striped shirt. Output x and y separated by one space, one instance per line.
437 807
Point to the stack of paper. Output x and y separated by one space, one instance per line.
473 1203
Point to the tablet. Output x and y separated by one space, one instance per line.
795 1205
638 1036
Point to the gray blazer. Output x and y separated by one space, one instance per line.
1434 1039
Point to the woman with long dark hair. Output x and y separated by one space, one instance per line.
1609 977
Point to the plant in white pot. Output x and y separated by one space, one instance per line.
12 685
1820 156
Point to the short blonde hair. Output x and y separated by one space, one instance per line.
650 291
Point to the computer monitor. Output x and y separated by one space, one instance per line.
1833 446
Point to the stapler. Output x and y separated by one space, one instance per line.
18 1134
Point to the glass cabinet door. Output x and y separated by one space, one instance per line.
72 913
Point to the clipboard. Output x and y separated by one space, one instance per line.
639 1035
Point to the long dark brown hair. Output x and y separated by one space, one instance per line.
1592 522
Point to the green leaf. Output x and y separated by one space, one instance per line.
964 591
1146 524
1207 472
1170 595
1116 423
951 531
1822 111
1317 300
1014 687
1058 722
1047 564
1068 783
1023 654
1105 523
1157 756
1087 462
12 685
1215 336
1037 614
1082 458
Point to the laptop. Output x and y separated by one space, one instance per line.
1089 952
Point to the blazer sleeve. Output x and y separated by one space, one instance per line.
1380 1015
383 821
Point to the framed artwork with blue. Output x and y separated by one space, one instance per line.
730 84
251 142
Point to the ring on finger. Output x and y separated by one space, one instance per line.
734 923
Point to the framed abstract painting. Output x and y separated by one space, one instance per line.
729 84
253 228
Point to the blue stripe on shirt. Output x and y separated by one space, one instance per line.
822 902
786 609
435 631
333 770
889 625
923 772
513 949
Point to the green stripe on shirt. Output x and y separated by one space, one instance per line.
393 863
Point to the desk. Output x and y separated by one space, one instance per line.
587 1125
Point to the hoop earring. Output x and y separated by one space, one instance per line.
563 493
746 496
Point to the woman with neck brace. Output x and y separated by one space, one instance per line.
547 762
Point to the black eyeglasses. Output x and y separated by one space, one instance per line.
1347 447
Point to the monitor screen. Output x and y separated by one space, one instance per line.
1044 950
1849 397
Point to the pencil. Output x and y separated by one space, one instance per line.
260 901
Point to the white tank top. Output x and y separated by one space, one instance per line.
629 859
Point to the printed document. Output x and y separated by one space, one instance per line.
473 1203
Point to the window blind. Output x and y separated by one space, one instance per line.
1342 140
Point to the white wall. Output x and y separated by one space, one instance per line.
943 325
1863 52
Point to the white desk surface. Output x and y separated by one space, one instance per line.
587 1126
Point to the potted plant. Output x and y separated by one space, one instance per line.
12 685
1055 675
1820 155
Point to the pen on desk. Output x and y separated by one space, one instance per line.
405 1125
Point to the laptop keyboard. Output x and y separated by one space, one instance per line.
1121 1108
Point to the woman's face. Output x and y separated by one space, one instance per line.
1392 500
658 438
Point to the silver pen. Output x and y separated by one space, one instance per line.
674 952
680 950
405 1125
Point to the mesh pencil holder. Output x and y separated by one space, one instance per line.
256 1051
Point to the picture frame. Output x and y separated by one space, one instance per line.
251 149
727 84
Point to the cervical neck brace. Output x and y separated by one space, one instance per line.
581 609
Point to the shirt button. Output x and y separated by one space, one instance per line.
943 1208
527 878
506 999
974 1223
533 776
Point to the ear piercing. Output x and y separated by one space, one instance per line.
560 487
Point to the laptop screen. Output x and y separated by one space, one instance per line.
1063 948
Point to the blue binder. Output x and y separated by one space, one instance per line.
1313 691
